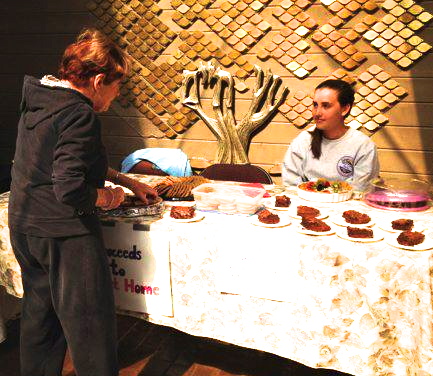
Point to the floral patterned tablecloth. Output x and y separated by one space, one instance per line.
360 308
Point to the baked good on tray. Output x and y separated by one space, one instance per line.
182 212
282 201
410 238
314 224
356 232
304 211
355 217
265 216
402 224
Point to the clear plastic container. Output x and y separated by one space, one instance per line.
228 198
399 194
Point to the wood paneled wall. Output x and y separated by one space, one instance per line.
34 34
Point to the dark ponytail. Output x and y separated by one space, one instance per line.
316 143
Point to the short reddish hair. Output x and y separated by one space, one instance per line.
91 54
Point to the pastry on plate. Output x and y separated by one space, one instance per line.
402 224
410 238
307 211
282 201
314 224
265 216
356 218
182 212
356 232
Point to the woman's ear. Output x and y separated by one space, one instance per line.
98 81
346 110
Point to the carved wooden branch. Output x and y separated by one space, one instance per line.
233 139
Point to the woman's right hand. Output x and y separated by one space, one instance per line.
110 198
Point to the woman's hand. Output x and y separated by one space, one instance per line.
110 198
146 194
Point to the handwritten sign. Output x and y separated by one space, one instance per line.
139 261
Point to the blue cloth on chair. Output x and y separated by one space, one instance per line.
173 162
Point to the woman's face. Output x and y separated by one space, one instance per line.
328 113
104 95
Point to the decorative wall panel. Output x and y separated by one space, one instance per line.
238 33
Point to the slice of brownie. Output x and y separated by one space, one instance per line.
182 212
402 224
282 201
356 218
314 224
356 232
307 211
410 238
265 216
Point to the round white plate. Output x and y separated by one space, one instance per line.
387 226
377 236
304 231
293 212
284 221
340 221
424 246
197 217
269 203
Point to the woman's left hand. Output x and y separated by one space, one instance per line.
146 194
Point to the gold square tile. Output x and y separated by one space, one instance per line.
395 55
379 42
387 49
390 98
423 47
365 77
415 25
371 35
381 105
425 17
414 55
406 33
383 76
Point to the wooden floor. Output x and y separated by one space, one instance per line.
146 349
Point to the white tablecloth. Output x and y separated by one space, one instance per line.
360 308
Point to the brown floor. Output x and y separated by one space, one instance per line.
146 349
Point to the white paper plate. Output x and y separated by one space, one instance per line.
377 236
424 246
293 212
340 221
304 231
270 204
284 221
197 217
387 226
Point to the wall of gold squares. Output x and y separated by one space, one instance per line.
382 47
373 45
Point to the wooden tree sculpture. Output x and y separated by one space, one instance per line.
233 137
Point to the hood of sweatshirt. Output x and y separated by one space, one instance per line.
38 102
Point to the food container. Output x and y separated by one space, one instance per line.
131 211
399 194
228 198
323 196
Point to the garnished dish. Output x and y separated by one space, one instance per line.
184 214
265 218
411 240
360 234
323 190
